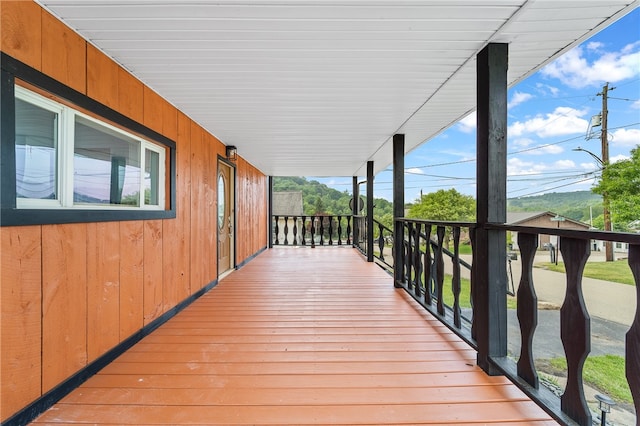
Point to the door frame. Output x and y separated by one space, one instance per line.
223 162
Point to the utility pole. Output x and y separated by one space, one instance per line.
605 162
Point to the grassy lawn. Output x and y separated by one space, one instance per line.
465 292
604 373
617 271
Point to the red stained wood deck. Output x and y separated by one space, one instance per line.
299 336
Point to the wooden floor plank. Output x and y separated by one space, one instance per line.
293 396
304 336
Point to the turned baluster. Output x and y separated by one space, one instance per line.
527 308
474 254
416 261
455 280
575 329
409 256
295 230
440 269
428 289
330 219
381 241
286 230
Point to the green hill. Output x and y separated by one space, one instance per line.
318 198
578 205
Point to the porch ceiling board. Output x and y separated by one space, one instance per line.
319 88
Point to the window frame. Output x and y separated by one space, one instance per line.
17 212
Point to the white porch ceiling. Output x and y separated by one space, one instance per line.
318 88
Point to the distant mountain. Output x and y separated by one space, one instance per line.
578 205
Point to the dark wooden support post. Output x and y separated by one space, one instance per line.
575 329
369 211
270 211
398 206
632 339
354 209
490 292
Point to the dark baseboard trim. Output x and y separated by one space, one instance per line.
46 401
250 258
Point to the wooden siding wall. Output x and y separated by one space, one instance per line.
250 200
71 292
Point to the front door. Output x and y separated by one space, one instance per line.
226 218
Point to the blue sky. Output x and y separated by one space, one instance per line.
549 114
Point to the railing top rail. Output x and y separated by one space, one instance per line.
622 237
382 225
439 222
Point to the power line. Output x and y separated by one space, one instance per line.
555 187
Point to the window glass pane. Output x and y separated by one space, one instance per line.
36 152
151 177
106 166
221 200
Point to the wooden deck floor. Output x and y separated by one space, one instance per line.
299 336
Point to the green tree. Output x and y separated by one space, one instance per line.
621 182
320 209
446 205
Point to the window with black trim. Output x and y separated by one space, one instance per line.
68 159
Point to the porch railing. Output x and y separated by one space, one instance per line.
421 274
382 240
319 230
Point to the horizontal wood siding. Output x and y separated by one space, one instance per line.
299 336
72 292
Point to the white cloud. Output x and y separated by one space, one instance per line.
636 104
562 121
518 167
589 167
468 124
415 171
518 98
564 164
617 158
522 142
546 150
575 70
546 89
595 45
625 137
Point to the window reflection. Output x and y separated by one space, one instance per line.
106 166
36 152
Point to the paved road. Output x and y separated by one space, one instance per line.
603 299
